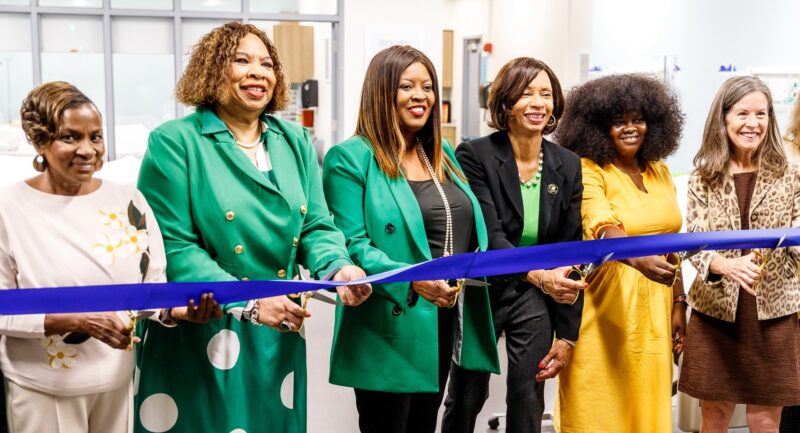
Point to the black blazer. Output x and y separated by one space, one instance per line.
491 169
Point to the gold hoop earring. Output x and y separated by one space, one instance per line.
39 163
551 122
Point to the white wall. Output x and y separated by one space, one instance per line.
419 19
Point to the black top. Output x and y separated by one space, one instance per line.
434 217
490 166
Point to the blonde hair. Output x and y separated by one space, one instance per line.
713 158
792 134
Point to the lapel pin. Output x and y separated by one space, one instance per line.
552 189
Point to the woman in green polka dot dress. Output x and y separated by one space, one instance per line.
238 196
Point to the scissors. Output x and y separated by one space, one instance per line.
763 256
135 316
581 272
304 297
676 258
459 285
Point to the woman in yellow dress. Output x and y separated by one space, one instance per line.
620 377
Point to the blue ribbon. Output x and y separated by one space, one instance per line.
469 265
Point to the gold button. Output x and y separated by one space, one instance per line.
295 242
245 279
238 249
281 273
230 215
303 209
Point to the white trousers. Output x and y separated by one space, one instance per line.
32 411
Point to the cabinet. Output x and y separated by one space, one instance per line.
447 59
295 45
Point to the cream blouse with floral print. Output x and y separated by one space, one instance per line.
107 237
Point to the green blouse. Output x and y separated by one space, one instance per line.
530 212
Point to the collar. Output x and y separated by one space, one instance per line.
211 124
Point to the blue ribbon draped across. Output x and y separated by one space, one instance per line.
468 265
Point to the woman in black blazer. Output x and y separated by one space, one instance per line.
530 193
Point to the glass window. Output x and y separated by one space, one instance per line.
16 80
192 31
144 80
72 51
212 5
16 2
165 5
312 7
72 3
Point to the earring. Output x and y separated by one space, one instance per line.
39 163
552 121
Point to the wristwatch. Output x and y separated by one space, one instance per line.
250 313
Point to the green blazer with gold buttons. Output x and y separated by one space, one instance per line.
385 344
222 219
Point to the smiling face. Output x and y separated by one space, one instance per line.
746 122
533 109
627 133
251 77
415 99
77 151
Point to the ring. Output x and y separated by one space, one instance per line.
286 325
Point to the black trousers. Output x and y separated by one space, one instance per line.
392 412
790 419
526 323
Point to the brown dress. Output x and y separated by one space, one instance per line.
748 361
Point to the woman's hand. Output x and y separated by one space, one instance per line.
353 294
208 309
280 309
655 268
678 326
558 357
740 269
556 284
437 292
108 328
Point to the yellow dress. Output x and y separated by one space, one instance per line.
620 377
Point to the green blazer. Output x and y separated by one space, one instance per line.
384 344
222 219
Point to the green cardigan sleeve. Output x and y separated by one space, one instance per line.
344 180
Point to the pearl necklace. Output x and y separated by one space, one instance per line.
447 248
252 145
532 182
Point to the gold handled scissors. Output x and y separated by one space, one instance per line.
581 272
676 258
135 316
762 256
459 285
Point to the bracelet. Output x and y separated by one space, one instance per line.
250 313
679 298
541 283
570 342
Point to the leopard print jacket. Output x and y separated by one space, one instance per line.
775 204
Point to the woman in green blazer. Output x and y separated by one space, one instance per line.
238 196
399 196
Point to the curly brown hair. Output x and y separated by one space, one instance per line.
509 84
203 79
584 127
42 109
